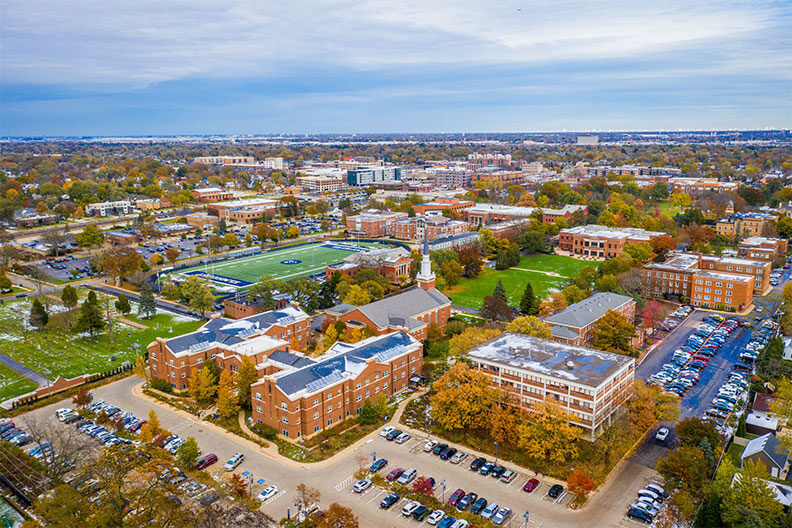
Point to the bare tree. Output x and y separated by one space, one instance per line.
55 238
67 448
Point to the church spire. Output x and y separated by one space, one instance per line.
425 278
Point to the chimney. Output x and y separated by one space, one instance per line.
570 365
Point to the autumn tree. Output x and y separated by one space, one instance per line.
357 296
504 420
82 398
239 485
337 516
151 428
691 431
685 468
462 398
556 303
121 262
531 326
547 433
469 338
188 453
649 405
495 308
579 483
652 313
613 332
122 304
201 385
782 405
573 294
140 367
306 496
245 377
423 486
227 399
172 254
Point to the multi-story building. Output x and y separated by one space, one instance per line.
758 269
250 214
601 241
494 174
267 206
411 311
320 183
742 225
29 217
441 204
452 178
706 281
368 175
574 324
225 341
485 213
590 385
391 263
432 227
762 248
479 161
211 194
243 305
455 242
691 185
109 208
317 393
224 160
202 220
121 238
373 223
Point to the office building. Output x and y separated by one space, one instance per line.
762 248
211 194
365 176
108 208
574 324
601 241
373 223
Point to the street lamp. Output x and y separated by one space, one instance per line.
444 487
496 451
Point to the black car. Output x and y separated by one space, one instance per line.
497 471
478 506
378 464
486 468
393 434
555 491
463 503
476 464
421 513
439 448
639 515
389 501
448 453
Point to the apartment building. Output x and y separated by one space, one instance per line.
225 341
627 170
758 269
704 281
691 185
494 174
224 160
601 241
441 204
364 176
455 242
211 194
574 324
29 217
590 385
742 225
762 248
320 183
109 208
373 223
479 161
318 393
485 213
452 178
223 209
432 227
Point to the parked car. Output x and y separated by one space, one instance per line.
429 445
409 508
407 477
403 438
555 490
508 476
387 430
267 493
456 496
234 461
361 486
394 474
435 517
531 485
458 457
206 461
661 435
378 464
501 516
463 503
389 501
639 515
476 464
491 509
393 435
421 513
479 505
486 468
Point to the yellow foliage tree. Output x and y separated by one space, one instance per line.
504 420
469 338
530 325
227 398
357 296
547 433
462 398
201 385
151 428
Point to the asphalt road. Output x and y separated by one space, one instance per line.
335 483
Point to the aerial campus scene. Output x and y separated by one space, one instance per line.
373 264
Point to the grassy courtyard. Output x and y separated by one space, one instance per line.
58 351
470 292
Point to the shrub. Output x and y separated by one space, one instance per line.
265 431
162 385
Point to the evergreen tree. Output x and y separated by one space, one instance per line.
148 305
368 415
500 291
38 315
90 315
122 305
69 297
222 227
529 304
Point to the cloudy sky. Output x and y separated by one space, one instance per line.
111 67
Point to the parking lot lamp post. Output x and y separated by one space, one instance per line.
496 451
444 486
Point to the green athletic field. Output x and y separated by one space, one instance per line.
285 264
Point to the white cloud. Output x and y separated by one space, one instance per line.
146 41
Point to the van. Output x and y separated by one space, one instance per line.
407 477
206 461
651 494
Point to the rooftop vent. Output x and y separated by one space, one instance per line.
570 365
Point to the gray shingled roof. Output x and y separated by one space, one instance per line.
563 332
771 447
292 360
352 360
588 310
404 306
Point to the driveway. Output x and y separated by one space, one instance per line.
335 480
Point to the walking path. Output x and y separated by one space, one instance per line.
548 273
29 373
130 323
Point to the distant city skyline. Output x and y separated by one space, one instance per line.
211 67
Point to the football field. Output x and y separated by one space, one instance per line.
284 264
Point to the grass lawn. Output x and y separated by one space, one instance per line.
668 209
735 453
286 264
565 266
471 292
57 351
13 384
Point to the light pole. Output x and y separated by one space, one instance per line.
496 451
444 487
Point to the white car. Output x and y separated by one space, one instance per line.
662 434
362 485
234 461
429 445
460 523
435 517
403 438
267 493
410 507
386 431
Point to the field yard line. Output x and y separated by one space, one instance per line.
548 273
301 272
265 256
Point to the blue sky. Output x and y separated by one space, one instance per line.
203 67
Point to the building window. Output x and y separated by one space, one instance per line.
285 419
316 428
329 408
316 402
285 406
329 421
358 398
258 408
258 395
316 416
357 386
285 433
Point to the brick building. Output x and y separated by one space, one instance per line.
440 204
211 194
435 226
390 263
244 305
486 213
479 161
202 220
601 241
320 183
762 248
121 238
742 225
373 223
574 324
225 341
264 206
590 385
225 160
318 393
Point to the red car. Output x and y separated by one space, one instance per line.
454 498
531 485
396 473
